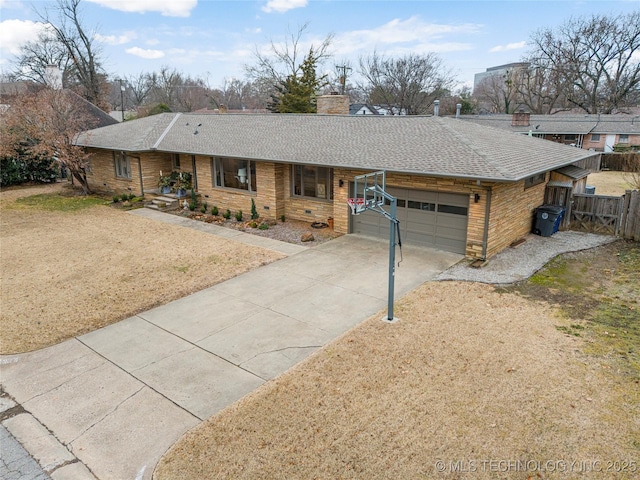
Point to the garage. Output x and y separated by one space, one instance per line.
433 219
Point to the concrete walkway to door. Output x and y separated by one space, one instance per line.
116 399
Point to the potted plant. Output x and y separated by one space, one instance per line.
182 184
164 183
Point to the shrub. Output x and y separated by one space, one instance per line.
239 215
116 199
192 206
227 214
214 211
131 196
263 226
124 197
253 224
14 171
254 212
282 218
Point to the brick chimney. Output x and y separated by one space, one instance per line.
333 104
53 77
520 119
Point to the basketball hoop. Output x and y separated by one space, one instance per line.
357 205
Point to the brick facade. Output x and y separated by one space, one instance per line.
511 209
145 171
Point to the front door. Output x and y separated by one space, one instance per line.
609 143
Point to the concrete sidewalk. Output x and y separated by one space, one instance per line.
116 399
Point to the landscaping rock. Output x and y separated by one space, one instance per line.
307 237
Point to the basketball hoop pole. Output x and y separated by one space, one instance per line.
373 198
393 220
392 255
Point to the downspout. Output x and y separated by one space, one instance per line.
485 233
140 173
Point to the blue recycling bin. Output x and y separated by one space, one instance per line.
547 220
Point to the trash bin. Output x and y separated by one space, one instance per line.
590 190
547 221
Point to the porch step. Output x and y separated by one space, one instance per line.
163 203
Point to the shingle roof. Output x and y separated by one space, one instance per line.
434 146
563 124
573 172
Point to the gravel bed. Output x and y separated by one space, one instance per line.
519 263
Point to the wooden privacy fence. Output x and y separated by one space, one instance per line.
598 213
630 218
595 213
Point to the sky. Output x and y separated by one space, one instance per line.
215 39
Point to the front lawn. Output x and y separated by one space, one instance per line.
71 264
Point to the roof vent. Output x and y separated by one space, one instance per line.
436 108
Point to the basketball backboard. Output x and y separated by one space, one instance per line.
368 192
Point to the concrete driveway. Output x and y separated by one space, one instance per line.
110 403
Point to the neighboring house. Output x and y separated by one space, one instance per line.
460 186
599 132
9 90
369 109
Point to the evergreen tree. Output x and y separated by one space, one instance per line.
297 94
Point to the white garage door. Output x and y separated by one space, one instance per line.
434 219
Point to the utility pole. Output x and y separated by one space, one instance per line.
122 89
343 77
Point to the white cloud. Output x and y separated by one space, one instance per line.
152 41
282 6
509 46
410 32
11 4
15 33
126 37
168 8
145 53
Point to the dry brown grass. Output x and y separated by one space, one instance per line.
609 183
67 273
468 375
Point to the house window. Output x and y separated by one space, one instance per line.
534 180
595 137
122 164
623 139
310 181
234 173
175 161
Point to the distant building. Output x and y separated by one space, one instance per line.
501 70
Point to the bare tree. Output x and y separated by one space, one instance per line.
85 63
36 55
285 60
597 59
165 84
499 92
542 89
46 124
138 88
408 84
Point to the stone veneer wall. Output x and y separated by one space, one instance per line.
511 216
269 186
102 174
512 210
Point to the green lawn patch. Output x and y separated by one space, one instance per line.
54 202
598 293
